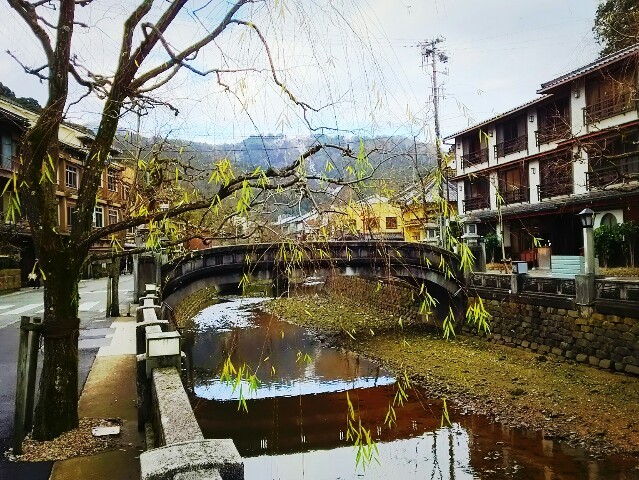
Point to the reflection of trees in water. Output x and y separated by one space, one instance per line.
274 346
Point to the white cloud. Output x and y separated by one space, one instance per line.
358 59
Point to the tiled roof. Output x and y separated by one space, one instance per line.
599 63
498 117
554 204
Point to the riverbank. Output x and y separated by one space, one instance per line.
583 406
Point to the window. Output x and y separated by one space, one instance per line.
71 215
113 216
513 184
98 217
71 176
391 223
608 220
112 180
125 193
371 223
7 152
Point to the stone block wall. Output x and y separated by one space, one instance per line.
576 333
10 279
388 296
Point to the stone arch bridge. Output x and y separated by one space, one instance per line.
230 264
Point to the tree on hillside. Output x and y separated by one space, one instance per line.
147 61
616 25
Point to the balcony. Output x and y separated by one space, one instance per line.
519 195
475 158
613 172
475 203
513 145
9 164
552 133
621 103
556 189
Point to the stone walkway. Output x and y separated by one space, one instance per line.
109 392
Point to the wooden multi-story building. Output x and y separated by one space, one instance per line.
527 172
74 142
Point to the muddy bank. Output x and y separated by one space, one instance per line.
580 405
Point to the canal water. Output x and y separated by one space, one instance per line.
295 422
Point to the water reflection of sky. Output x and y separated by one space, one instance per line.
423 457
228 314
286 359
217 390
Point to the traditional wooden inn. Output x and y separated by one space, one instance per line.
527 172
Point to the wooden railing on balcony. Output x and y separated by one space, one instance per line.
475 158
475 203
511 146
551 133
621 103
618 171
563 186
520 195
9 164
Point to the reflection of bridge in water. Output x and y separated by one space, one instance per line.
229 265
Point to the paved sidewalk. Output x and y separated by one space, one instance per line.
110 391
95 332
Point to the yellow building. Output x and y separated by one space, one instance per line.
374 217
420 209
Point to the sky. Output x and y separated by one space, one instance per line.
357 63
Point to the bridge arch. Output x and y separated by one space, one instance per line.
230 264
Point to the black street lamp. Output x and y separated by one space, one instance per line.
587 217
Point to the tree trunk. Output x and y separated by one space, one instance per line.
57 408
115 297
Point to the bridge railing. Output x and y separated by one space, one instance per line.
180 447
318 254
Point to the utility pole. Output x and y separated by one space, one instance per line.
432 53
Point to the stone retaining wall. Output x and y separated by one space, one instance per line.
577 333
390 297
192 304
10 279
551 326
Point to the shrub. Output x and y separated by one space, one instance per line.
492 242
608 241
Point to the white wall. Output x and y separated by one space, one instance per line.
533 180
576 108
460 196
492 190
531 127
618 213
579 169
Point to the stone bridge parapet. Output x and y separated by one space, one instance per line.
231 263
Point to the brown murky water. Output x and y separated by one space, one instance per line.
296 420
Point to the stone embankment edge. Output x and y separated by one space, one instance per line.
183 452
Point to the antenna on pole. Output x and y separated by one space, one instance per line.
432 54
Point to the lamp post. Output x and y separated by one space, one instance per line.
585 283
587 217
476 244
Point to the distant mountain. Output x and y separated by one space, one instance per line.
393 157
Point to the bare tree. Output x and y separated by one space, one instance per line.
136 77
